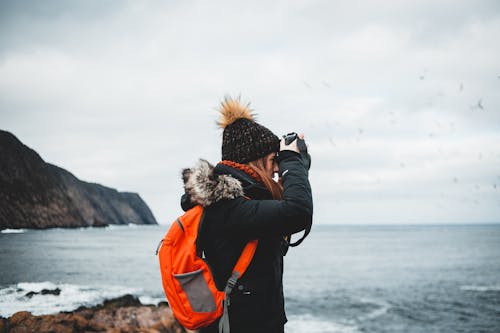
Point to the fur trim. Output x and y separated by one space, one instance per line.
205 188
231 110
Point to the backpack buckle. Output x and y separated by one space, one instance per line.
231 282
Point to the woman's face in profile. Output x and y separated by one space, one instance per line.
271 165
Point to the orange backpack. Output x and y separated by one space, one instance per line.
187 280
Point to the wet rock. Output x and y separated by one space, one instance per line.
31 294
127 300
56 292
3 325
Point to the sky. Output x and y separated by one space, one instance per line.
399 101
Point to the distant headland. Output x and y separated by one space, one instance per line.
35 194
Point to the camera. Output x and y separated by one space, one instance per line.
290 137
301 144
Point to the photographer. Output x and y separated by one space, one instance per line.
244 203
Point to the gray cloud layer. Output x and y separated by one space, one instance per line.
399 102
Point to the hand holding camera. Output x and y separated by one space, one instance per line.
294 142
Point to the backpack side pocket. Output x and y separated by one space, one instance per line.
195 287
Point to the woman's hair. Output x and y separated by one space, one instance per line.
259 166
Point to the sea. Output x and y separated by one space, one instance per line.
384 278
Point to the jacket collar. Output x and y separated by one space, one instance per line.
251 187
205 188
205 185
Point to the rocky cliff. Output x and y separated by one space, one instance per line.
36 194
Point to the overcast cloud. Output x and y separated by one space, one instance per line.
399 101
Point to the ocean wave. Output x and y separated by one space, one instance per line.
14 298
148 300
311 324
36 286
115 227
480 288
126 226
13 231
380 310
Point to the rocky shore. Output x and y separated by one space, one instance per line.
121 315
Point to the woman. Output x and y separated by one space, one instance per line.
243 203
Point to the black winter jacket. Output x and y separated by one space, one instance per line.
231 220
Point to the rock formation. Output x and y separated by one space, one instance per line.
124 314
36 194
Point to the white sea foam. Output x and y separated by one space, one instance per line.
13 231
148 300
121 226
116 227
36 286
480 288
111 227
311 324
14 299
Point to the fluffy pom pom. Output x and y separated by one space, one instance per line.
231 110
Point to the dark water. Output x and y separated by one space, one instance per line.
399 278
342 279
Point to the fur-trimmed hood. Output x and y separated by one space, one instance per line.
204 187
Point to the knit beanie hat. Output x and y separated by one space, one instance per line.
243 140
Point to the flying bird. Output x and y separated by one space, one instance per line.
480 104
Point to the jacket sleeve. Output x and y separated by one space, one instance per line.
257 218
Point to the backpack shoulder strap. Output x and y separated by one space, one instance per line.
199 239
245 258
238 270
246 255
